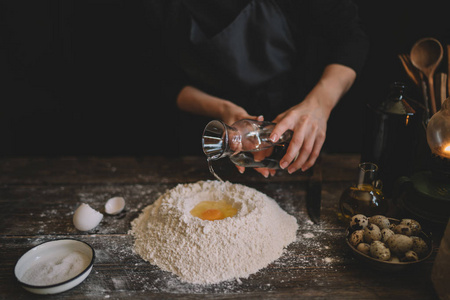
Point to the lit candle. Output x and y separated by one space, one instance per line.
445 151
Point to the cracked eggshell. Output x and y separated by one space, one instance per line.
114 205
86 218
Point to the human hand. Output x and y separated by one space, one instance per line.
308 121
258 155
233 113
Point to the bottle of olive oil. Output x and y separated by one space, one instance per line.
365 197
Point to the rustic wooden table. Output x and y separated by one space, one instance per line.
39 195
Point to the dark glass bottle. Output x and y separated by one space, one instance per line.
391 136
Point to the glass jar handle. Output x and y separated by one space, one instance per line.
378 184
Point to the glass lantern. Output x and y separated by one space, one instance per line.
438 131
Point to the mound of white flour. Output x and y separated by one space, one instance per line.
203 252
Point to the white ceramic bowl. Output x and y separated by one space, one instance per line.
47 252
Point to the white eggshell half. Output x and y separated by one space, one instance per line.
114 205
86 218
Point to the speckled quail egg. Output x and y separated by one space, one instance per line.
372 233
402 229
356 237
410 256
394 259
363 248
385 234
381 221
415 226
379 251
359 221
399 244
419 246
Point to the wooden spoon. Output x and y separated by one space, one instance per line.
426 55
448 73
410 70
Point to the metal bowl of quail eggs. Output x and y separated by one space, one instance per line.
388 244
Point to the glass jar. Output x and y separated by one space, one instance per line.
365 197
438 131
241 140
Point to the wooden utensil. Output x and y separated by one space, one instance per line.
410 70
426 55
418 78
448 73
441 88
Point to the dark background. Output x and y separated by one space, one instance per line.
85 77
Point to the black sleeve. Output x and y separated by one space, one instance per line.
172 76
336 22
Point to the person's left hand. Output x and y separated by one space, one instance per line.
259 156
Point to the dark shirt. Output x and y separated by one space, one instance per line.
324 31
214 15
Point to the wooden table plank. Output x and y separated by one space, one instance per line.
120 170
38 197
317 264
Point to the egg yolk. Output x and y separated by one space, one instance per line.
213 210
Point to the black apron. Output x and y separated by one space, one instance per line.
252 62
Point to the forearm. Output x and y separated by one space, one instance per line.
195 101
335 81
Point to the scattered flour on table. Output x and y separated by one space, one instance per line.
207 252
308 235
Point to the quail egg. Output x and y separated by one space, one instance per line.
394 259
359 221
402 229
419 246
385 234
363 248
399 244
413 224
356 237
410 256
381 221
372 233
379 251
